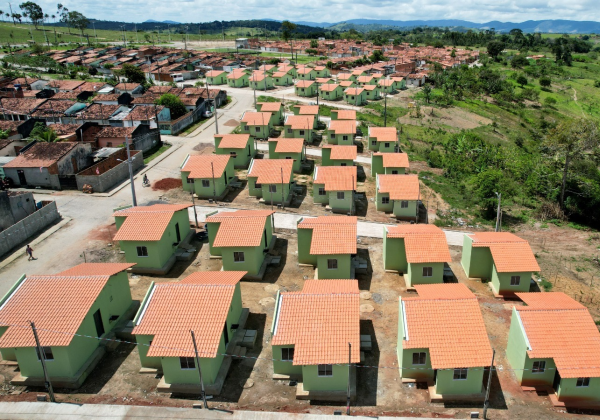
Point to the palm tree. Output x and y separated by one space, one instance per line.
1 15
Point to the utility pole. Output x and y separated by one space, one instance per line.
385 108
42 356
199 369
129 162
216 120
282 198
169 29
348 389
137 40
212 168
93 25
487 391
499 195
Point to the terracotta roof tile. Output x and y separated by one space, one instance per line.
353 91
271 171
288 145
308 109
342 126
345 114
257 118
341 152
127 86
239 228
95 269
321 334
554 300
203 302
399 187
423 243
146 223
233 141
394 160
112 132
336 178
304 83
214 73
330 87
383 134
300 122
202 166
449 324
331 234
41 155
510 253
270 106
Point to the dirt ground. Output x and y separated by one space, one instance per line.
446 117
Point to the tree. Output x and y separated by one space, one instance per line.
174 104
314 43
522 80
550 101
545 82
453 53
495 48
75 20
17 16
427 92
377 56
147 38
33 11
287 28
132 73
571 140
41 132
519 61
486 184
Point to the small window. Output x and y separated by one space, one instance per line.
343 164
290 131
345 138
386 145
142 251
47 351
288 157
394 172
205 183
272 188
539 367
257 129
404 204
189 180
322 191
515 280
340 195
427 271
302 89
233 154
332 264
460 374
325 370
246 128
419 358
385 200
109 144
287 355
187 363
301 132
238 257
581 382
374 142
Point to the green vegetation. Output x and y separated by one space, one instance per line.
174 103
546 285
156 153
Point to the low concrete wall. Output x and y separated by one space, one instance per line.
110 175
147 141
21 231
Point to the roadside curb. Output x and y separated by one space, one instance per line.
203 127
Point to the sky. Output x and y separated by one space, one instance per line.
329 10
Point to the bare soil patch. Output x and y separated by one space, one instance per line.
448 117
166 184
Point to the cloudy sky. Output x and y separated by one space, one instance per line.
330 10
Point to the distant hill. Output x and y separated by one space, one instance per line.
170 22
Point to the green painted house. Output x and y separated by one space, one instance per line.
554 346
346 84
239 147
88 300
345 77
306 88
216 77
257 124
328 243
322 71
383 139
306 73
442 341
335 187
241 239
286 148
386 85
208 303
307 110
261 80
281 78
333 155
275 108
331 92
343 114
320 351
341 132
299 126
150 235
502 258
419 252
399 195
389 163
288 69
207 176
238 78
355 96
399 83
373 92
366 80
270 180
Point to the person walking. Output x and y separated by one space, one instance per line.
29 252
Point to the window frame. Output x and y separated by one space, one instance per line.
142 248
322 191
189 180
331 262
187 363
257 129
342 197
427 271
385 200
420 355
237 255
404 204
272 188
325 371
515 280
48 354
458 374
583 382
287 354
301 132
205 183
541 366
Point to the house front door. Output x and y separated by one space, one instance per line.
22 179
98 323
226 334
177 232
556 381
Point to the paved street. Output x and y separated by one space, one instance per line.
314 152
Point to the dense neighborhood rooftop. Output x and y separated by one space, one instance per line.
331 234
423 243
231 223
146 223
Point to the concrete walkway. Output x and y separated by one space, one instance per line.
290 220
315 152
58 411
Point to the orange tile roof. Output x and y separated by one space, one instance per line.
300 122
364 79
146 223
257 118
394 160
202 166
353 91
331 234
308 109
345 114
423 243
239 228
346 83
341 152
304 83
203 302
557 327
447 321
336 178
383 134
400 187
271 171
288 145
214 73
330 87
233 141
304 70
270 106
370 87
342 126
57 304
510 253
320 335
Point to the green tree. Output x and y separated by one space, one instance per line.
76 20
33 11
287 29
377 56
519 61
550 101
132 73
486 185
545 82
174 104
314 43
4 134
494 48
427 92
522 80
41 132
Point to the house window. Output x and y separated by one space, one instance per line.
419 358
287 355
404 204
386 145
343 164
340 195
277 80
142 251
332 264
515 280
539 367
385 200
290 131
288 157
460 374
325 370
581 382
187 363
374 142
189 180
345 138
48 356
427 271
238 257
205 183
257 129
394 172
109 144
246 128
302 89
233 154
301 132
322 191
272 188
